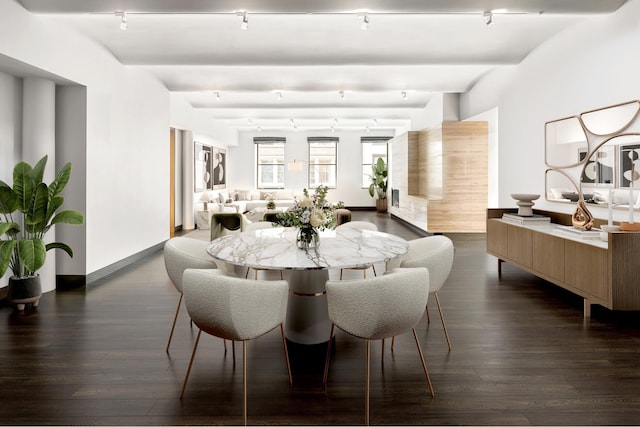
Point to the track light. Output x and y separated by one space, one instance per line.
217 96
342 95
259 129
365 21
488 19
404 96
375 122
279 95
123 19
245 20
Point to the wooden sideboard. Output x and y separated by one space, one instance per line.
604 273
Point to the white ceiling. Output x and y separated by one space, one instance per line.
311 50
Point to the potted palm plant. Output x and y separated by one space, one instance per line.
28 210
378 186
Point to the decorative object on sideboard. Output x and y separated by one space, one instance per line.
525 203
529 220
606 229
629 226
582 218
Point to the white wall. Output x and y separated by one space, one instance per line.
127 128
590 65
10 125
242 168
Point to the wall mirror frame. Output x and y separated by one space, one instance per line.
562 138
610 120
604 166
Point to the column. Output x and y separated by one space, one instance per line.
38 139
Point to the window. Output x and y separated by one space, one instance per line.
372 148
323 162
270 162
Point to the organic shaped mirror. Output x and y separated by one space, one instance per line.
612 172
564 138
560 187
610 120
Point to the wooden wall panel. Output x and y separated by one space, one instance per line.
462 207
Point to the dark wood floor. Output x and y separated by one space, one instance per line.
522 355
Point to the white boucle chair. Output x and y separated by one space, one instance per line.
436 254
378 308
181 253
235 309
360 225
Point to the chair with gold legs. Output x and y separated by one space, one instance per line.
436 254
378 308
235 309
179 254
360 225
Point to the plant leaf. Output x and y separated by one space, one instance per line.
68 217
23 185
38 212
38 169
8 199
6 251
5 227
32 253
61 180
64 247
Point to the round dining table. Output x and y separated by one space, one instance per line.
307 271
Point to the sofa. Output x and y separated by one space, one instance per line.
247 200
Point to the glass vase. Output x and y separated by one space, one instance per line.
308 238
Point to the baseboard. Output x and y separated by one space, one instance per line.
66 282
361 208
407 224
99 274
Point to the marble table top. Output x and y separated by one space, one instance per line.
275 248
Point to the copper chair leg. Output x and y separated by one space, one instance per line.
244 382
424 365
446 334
286 353
382 358
193 355
326 362
426 309
173 327
366 409
393 342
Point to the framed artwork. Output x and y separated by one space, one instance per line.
629 159
219 170
202 166
599 167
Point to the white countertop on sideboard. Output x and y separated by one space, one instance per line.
556 230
